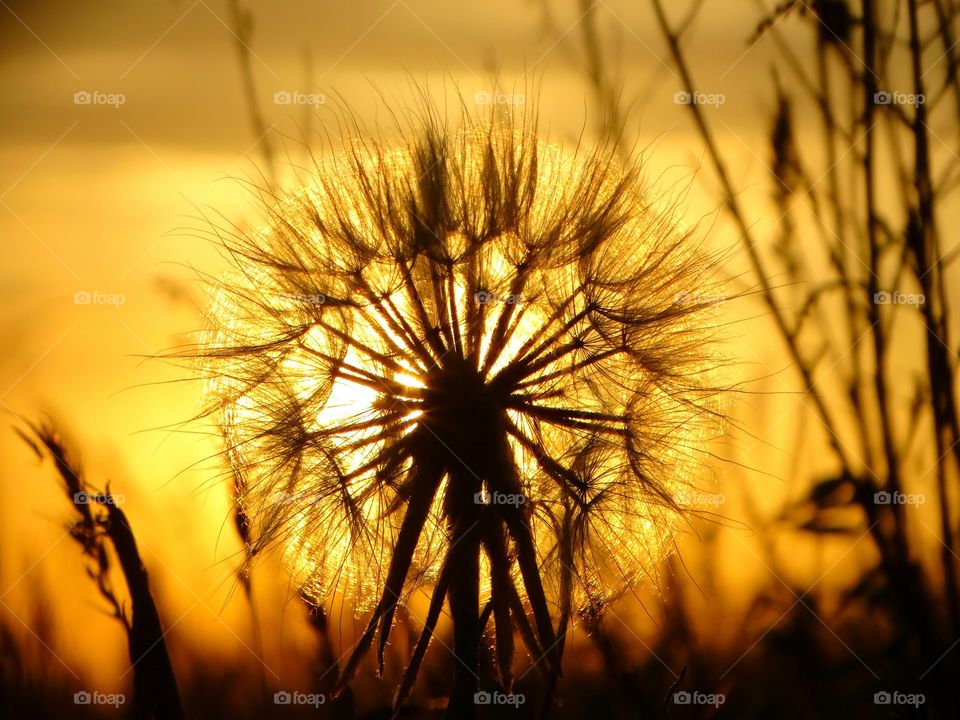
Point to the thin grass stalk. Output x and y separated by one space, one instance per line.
155 692
733 207
926 248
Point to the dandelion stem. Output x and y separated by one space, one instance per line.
464 598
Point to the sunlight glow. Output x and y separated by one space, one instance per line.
330 344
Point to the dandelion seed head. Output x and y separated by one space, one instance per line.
413 299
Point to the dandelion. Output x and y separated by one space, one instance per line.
469 361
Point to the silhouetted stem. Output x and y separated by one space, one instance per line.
500 583
429 625
464 597
422 489
242 29
155 686
938 362
759 268
566 597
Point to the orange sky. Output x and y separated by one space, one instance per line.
97 198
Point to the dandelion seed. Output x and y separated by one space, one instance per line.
461 363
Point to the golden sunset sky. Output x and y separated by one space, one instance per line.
107 199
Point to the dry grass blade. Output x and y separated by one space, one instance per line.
155 685
156 695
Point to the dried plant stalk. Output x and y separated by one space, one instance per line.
155 691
